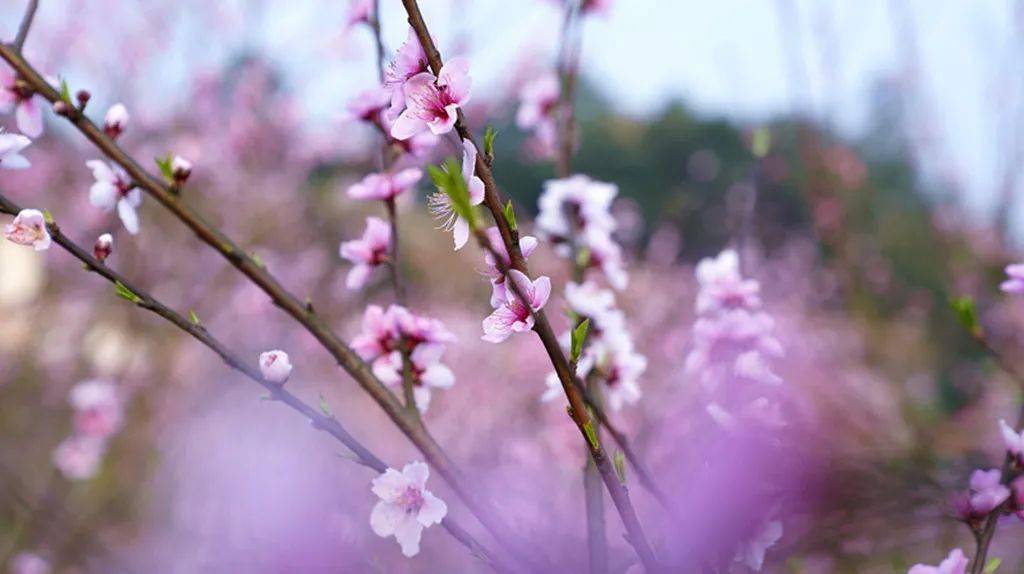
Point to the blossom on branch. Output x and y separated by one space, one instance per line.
29 228
103 247
385 186
10 151
1014 440
433 102
368 105
368 252
27 106
527 245
410 61
112 189
426 369
406 507
512 315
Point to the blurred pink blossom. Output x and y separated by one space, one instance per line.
406 507
29 228
11 146
955 563
385 186
112 189
26 105
368 252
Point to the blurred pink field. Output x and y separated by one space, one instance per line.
501 322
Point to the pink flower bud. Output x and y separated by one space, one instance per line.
61 108
276 366
116 120
181 169
29 228
103 247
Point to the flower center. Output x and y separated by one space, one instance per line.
411 501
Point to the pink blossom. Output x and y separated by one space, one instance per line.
573 206
986 491
29 228
620 366
98 410
538 100
513 316
527 245
1014 441
78 457
368 252
433 103
103 247
410 61
368 105
722 286
29 563
606 255
384 331
116 120
406 507
10 151
441 205
112 189
1015 282
589 300
955 563
428 372
26 105
385 186
275 366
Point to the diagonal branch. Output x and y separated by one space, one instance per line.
415 431
327 423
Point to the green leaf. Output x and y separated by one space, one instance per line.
325 408
194 318
619 461
65 92
579 336
992 565
489 134
256 259
164 163
48 217
510 216
967 314
448 179
591 435
126 293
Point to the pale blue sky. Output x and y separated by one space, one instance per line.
728 57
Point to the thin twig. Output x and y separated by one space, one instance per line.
288 302
26 24
327 423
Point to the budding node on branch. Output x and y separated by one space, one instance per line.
103 247
82 97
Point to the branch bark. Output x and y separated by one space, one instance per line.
320 421
26 24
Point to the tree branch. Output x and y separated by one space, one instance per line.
289 303
26 24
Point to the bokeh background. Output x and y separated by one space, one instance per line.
891 185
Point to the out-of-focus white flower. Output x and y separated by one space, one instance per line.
11 146
98 409
79 456
113 189
406 507
275 366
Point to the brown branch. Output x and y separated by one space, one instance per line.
321 421
577 405
288 302
26 24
